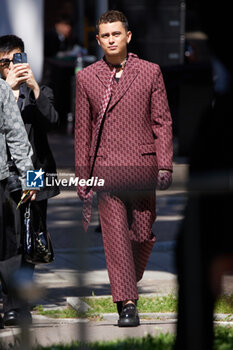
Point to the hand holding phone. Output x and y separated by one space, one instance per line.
19 58
17 73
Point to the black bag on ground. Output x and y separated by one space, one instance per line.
37 245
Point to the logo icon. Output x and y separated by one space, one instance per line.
35 178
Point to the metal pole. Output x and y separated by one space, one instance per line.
101 7
193 303
79 21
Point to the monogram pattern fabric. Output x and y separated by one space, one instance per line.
134 143
84 192
135 139
126 221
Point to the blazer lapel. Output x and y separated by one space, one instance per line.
129 74
104 73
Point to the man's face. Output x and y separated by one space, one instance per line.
64 29
113 38
6 66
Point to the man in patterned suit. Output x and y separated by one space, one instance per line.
123 134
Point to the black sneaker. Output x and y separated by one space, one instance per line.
129 316
17 317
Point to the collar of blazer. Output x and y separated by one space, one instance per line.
130 72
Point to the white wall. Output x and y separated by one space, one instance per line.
101 7
24 18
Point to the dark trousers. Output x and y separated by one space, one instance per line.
10 249
9 275
10 222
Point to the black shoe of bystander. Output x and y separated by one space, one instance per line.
16 318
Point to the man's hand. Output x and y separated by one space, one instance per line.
83 193
164 179
16 75
31 81
28 195
22 73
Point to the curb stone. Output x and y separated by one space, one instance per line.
143 315
77 304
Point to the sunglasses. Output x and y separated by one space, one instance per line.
5 62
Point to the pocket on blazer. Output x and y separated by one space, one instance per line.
148 148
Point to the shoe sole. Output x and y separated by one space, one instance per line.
17 323
129 323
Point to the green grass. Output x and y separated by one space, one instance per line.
224 304
145 305
105 305
101 305
158 304
223 338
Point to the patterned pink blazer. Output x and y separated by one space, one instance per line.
136 135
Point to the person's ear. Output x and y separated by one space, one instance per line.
129 36
97 38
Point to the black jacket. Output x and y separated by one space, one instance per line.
39 117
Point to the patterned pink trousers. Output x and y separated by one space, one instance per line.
126 222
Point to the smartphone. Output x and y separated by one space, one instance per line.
20 58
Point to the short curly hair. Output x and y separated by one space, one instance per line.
112 16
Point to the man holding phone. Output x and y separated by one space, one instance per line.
39 116
16 70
